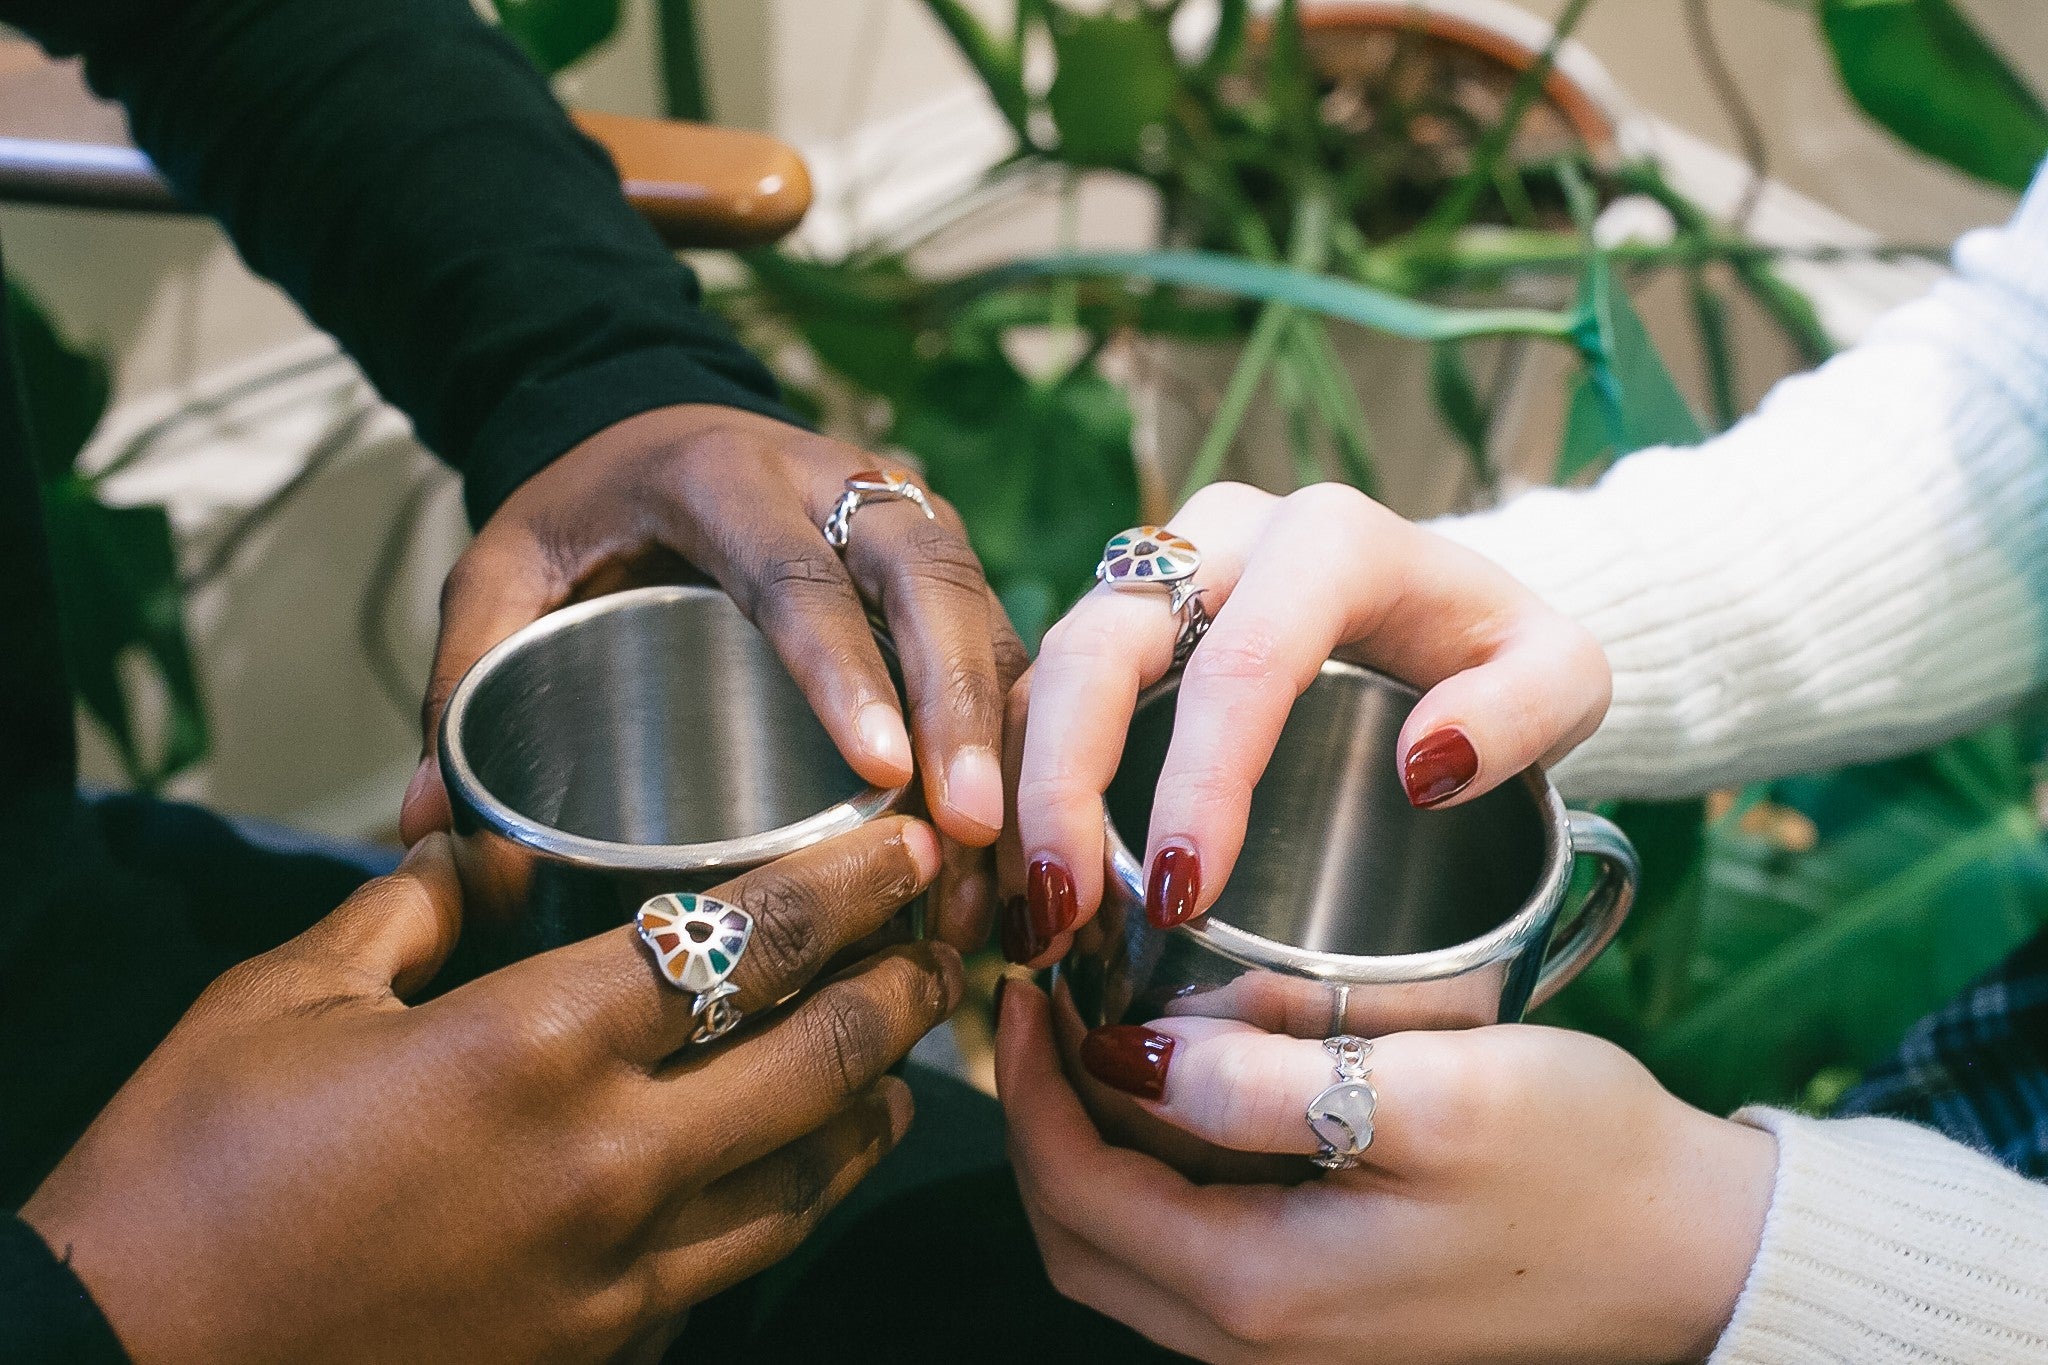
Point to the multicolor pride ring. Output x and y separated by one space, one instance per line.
1147 557
697 941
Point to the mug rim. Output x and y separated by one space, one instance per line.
610 855
1504 941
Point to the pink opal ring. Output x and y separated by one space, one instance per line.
1151 557
697 942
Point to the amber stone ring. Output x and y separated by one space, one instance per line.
872 485
1147 557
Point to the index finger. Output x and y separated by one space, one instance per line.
1084 691
806 909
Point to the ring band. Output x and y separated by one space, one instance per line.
1341 1114
1146 557
697 941
872 485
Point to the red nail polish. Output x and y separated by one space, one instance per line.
1442 764
1128 1057
1175 887
1018 942
1051 891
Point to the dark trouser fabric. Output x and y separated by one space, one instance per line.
930 1259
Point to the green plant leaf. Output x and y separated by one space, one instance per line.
64 389
1588 440
118 597
684 91
1458 403
556 34
1042 475
1000 65
858 319
1710 317
1227 47
1923 71
1819 959
1115 78
1327 295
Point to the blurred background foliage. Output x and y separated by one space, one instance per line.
1789 932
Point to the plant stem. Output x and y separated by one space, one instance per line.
682 64
1259 350
1331 387
1456 207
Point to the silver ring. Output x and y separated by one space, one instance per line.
872 485
1147 557
1341 1114
697 941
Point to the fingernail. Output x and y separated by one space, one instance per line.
923 847
422 778
974 786
882 734
1442 764
1019 943
1051 889
1175 887
1130 1058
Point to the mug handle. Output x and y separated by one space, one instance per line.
1606 906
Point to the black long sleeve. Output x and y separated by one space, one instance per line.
408 178
405 174
45 1314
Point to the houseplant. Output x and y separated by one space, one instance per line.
1790 932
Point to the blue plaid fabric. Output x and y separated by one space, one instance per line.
1978 1069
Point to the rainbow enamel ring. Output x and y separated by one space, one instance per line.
1149 558
872 485
696 942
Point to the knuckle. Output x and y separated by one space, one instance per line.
975 697
802 1188
851 1039
1084 636
787 915
1241 1303
1245 654
1327 501
938 555
1223 497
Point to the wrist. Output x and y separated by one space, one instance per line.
1711 1225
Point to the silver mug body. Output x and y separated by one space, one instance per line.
643 742
1349 911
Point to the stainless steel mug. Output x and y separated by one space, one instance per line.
638 743
1349 911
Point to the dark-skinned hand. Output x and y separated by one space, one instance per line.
741 498
534 1165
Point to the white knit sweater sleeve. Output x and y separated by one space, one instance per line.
1859 569
1887 1244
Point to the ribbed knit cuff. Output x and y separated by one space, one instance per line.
1888 1244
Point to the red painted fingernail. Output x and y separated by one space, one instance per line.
1051 889
1019 945
1130 1058
1175 886
1442 764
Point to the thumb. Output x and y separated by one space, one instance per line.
503 581
396 931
